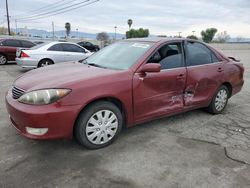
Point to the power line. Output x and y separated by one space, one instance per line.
50 13
45 8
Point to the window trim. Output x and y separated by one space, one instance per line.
185 52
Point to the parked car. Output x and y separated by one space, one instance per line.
88 45
93 100
50 53
8 48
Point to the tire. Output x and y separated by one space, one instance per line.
44 63
219 101
93 130
3 59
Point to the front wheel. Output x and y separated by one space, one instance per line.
98 125
219 102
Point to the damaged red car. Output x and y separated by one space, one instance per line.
124 84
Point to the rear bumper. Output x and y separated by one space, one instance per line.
27 62
59 120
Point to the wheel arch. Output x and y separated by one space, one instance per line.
229 86
117 102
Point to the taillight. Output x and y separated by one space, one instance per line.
23 54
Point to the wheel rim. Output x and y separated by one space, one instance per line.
2 59
46 63
221 100
101 127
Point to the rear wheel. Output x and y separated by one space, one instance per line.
219 102
3 59
44 63
98 125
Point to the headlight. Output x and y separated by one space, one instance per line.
46 96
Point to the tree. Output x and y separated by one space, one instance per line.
3 31
103 36
192 37
68 28
208 34
137 33
223 37
130 22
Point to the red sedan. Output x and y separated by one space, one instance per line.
124 84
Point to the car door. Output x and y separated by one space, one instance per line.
11 46
204 74
161 93
73 52
56 53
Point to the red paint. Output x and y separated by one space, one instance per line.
144 96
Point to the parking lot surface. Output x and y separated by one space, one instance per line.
194 149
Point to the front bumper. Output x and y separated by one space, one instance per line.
27 62
58 119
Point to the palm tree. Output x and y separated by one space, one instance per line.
68 28
130 22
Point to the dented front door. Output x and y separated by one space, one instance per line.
158 93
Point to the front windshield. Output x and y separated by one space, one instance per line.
120 55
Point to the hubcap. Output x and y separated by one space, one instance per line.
2 59
101 127
221 99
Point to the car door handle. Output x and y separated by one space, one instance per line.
219 69
180 76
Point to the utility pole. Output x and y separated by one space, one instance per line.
53 30
8 17
115 32
77 33
16 26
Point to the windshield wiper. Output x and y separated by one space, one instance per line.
96 65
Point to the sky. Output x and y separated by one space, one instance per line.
161 17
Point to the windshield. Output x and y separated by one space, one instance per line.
120 55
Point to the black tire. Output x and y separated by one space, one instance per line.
212 107
82 121
44 62
3 59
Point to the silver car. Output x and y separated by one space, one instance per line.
50 53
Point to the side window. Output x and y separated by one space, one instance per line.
27 44
13 43
56 47
169 56
198 54
72 48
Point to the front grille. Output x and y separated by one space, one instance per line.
17 92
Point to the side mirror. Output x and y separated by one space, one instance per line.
151 67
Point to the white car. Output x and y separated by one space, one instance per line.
50 53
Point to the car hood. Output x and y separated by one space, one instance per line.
65 75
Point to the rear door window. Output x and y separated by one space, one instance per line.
199 54
72 48
12 43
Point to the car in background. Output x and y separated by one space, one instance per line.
8 48
124 84
50 53
38 42
89 46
